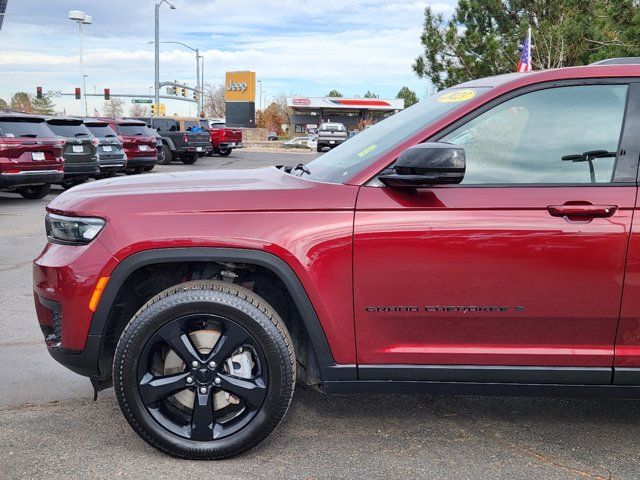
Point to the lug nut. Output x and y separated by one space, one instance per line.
212 364
217 381
203 390
195 364
189 379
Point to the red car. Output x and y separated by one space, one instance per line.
30 155
139 143
223 139
481 241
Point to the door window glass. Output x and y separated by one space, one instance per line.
558 135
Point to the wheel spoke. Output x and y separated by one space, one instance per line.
202 420
252 391
153 389
179 342
231 339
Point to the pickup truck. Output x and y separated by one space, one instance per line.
223 139
182 138
482 241
330 135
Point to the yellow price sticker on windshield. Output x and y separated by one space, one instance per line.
456 96
369 149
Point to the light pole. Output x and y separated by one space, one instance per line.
157 56
82 19
260 104
198 82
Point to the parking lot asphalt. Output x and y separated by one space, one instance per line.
50 427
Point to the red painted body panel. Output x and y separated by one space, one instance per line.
311 231
462 246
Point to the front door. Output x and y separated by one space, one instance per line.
520 265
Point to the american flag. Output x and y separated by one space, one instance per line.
524 65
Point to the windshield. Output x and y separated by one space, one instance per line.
13 128
68 129
101 130
368 146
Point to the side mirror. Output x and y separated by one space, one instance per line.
427 164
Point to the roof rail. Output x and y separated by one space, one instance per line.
618 61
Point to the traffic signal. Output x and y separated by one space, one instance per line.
38 92
175 88
195 95
163 110
184 92
154 110
78 96
107 94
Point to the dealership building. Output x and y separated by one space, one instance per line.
309 112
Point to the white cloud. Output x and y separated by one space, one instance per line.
304 46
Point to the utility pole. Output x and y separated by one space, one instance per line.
82 19
157 53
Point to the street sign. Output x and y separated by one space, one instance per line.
141 100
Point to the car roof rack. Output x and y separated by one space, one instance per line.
618 61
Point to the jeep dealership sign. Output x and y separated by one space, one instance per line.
240 87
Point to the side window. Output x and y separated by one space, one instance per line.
558 135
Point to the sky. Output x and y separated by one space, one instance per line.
296 47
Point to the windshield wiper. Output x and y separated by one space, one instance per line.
80 134
302 167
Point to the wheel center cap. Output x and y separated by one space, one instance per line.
203 375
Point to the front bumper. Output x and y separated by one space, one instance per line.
26 178
136 162
64 278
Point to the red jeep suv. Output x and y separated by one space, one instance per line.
30 155
481 241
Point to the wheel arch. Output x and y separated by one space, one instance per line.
328 369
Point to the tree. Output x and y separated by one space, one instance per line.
213 102
21 102
43 106
334 93
138 110
618 30
113 107
408 95
483 37
371 95
3 104
272 118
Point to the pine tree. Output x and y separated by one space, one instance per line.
43 106
334 93
408 95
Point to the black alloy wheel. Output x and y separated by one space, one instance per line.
204 370
206 375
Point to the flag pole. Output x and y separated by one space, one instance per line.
529 46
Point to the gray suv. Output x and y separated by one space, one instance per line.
79 150
111 156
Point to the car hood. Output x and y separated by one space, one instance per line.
212 190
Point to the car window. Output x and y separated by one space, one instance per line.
138 130
101 131
15 128
67 129
191 124
556 135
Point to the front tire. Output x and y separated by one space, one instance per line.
224 152
168 156
207 409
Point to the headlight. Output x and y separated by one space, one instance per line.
72 230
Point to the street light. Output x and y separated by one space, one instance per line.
157 49
82 19
260 104
198 82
